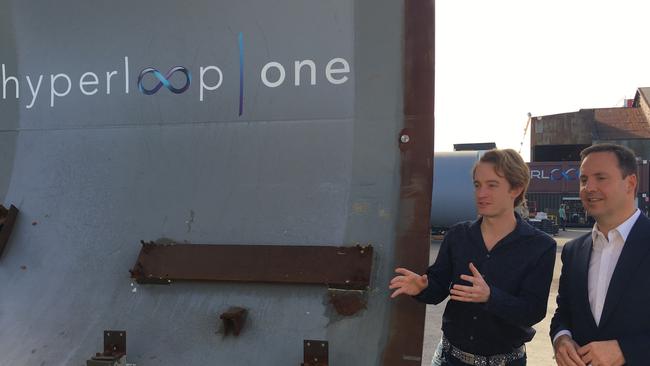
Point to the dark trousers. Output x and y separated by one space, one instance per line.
444 358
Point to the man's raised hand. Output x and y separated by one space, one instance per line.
409 283
478 292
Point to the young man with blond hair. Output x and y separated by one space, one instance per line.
497 271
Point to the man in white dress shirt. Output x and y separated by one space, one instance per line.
603 314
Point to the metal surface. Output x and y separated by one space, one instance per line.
573 128
244 163
107 362
343 267
452 198
7 221
475 146
412 243
316 353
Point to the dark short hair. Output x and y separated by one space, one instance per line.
508 164
624 155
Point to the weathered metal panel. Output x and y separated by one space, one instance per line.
251 152
573 128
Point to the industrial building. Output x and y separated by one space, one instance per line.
556 142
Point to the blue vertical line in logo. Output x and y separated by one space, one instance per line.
241 73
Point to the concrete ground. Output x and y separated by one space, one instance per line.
539 350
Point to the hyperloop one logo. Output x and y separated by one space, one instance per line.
177 80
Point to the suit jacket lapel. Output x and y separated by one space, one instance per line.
635 249
583 257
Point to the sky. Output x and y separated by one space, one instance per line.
496 61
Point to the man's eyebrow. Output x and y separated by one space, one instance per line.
598 174
488 181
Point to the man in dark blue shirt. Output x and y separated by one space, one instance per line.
497 270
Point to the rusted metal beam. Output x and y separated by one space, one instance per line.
338 267
7 221
404 346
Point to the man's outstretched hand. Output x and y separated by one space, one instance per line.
409 283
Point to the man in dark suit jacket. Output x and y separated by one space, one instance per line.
603 313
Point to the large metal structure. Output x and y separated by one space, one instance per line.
452 199
304 126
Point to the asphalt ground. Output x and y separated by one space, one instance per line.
539 350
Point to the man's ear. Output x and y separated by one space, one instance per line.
516 191
631 182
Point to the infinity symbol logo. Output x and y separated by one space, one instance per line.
164 80
564 174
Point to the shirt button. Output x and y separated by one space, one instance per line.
471 338
487 256
474 317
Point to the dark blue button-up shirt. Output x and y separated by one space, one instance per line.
518 269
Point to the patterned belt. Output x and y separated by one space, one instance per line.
477 360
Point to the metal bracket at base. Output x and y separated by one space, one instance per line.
114 353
